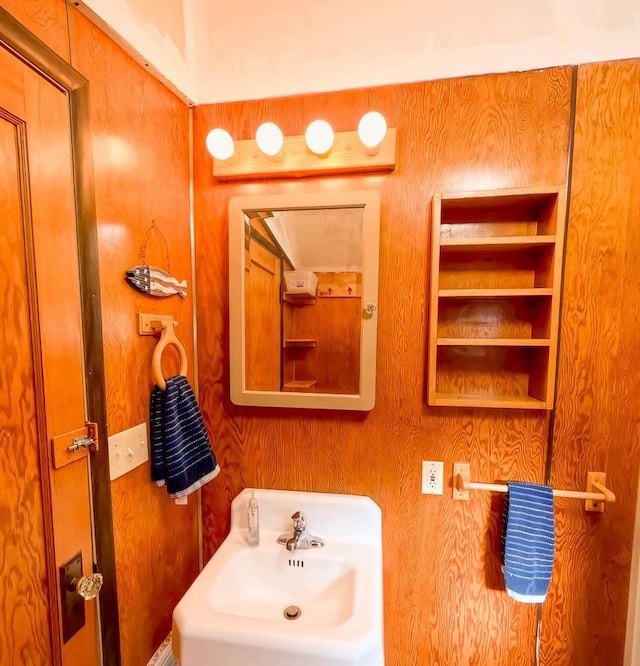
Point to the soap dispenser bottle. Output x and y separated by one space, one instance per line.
253 521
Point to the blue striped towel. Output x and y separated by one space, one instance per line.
528 541
181 455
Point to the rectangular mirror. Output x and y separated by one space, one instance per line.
303 288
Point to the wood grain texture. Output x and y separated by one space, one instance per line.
24 604
347 155
50 251
141 142
263 339
477 260
334 361
598 407
498 318
444 602
60 330
47 20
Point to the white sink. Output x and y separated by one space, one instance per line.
234 613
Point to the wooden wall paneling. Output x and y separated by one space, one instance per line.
598 408
45 19
141 142
443 598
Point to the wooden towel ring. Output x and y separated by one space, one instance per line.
168 337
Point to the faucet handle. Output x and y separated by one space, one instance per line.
299 521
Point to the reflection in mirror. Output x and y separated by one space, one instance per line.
314 258
297 300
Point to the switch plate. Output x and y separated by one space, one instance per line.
127 450
432 477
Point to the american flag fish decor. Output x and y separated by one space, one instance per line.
155 281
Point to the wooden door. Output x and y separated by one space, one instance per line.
45 509
262 319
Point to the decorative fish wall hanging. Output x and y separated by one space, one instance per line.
155 281
151 279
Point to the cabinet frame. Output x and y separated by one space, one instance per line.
490 225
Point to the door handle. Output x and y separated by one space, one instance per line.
87 587
75 591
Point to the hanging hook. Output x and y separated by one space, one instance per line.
168 337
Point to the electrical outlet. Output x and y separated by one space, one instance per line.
432 477
127 450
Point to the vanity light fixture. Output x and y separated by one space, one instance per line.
220 144
319 137
270 139
320 151
372 129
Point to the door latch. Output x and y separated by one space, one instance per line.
82 442
74 445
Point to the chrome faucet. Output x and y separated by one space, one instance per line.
301 537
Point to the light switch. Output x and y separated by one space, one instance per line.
127 450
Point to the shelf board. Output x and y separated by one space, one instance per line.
298 384
493 342
478 400
299 342
496 243
494 293
297 298
492 199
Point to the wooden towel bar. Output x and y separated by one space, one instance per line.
596 494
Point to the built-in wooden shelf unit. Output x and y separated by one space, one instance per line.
496 275
295 348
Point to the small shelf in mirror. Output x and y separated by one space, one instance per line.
299 343
300 384
298 298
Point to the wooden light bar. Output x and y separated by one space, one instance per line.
347 155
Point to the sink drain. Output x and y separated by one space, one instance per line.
292 613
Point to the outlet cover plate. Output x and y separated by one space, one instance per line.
432 477
127 450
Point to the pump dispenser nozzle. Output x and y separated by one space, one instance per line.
253 521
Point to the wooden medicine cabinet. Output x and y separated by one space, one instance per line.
496 272
303 291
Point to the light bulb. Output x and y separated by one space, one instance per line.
220 144
372 129
319 137
269 139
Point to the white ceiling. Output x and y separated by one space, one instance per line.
323 240
220 50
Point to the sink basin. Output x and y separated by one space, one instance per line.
273 580
268 606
